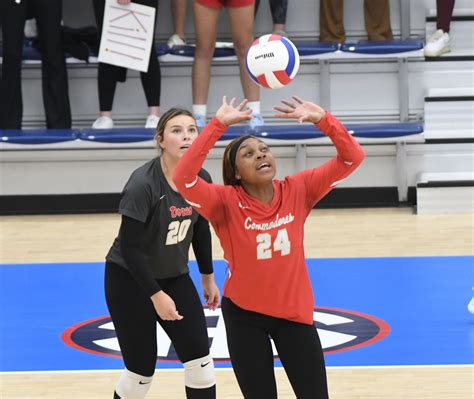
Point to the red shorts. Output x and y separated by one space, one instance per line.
225 3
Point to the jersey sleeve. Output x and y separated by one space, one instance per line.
136 201
131 234
202 245
321 180
202 241
205 197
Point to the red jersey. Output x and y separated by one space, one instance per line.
263 243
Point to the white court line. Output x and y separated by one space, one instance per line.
221 369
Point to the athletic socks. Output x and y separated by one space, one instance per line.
206 393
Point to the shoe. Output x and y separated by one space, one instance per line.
176 40
437 44
31 29
256 121
200 121
103 122
152 121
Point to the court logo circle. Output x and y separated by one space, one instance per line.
339 330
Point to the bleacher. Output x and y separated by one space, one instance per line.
383 92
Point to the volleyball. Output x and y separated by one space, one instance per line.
272 61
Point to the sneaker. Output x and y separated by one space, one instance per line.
437 44
103 122
152 121
200 121
176 40
31 29
256 121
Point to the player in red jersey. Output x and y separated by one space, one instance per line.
260 224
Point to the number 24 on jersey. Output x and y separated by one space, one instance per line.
281 243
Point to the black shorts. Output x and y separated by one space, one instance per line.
298 346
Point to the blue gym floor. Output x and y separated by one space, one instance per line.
369 312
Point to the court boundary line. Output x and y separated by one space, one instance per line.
222 369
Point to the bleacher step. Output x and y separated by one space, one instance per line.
444 193
449 113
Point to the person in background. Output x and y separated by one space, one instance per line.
109 75
376 15
279 9
438 43
178 12
206 16
48 14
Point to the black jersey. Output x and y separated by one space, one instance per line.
168 218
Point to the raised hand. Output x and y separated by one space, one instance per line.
302 111
230 114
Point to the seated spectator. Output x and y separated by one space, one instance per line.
206 15
376 15
278 9
178 12
109 75
438 43
48 15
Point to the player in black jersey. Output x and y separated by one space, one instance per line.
147 276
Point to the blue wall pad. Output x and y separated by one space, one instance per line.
39 136
161 49
382 47
370 312
134 135
307 131
385 130
122 135
315 48
188 51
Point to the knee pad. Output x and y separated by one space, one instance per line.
133 386
199 373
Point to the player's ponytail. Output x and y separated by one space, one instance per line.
228 168
228 162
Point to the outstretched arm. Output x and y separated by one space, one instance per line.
204 196
319 181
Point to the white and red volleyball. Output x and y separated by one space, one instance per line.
272 61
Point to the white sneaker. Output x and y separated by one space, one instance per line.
437 44
152 121
103 122
256 121
31 29
176 40
200 121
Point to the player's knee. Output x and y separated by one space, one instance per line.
199 373
132 385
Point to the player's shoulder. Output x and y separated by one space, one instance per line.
293 182
146 176
204 174
144 171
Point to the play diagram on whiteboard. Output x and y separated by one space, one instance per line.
127 35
